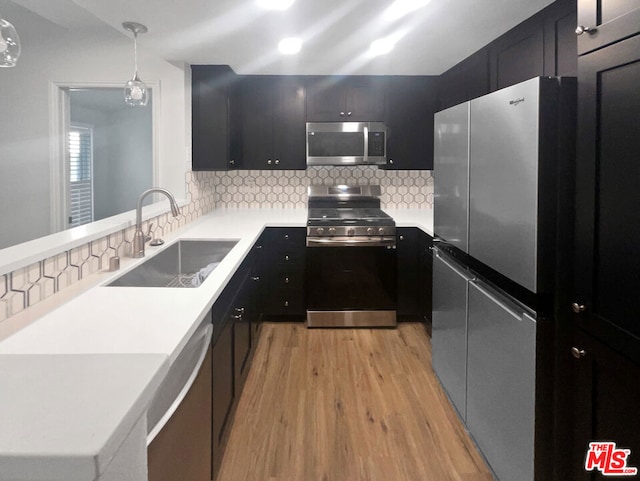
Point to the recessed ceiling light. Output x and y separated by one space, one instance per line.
290 46
275 4
400 8
381 46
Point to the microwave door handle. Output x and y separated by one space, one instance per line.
366 143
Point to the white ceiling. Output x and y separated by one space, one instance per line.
336 33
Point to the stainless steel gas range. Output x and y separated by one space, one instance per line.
351 258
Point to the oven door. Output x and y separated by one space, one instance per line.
351 286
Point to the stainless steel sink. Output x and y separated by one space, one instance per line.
183 264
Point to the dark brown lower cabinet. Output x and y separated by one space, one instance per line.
182 450
606 398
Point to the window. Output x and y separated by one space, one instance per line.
80 175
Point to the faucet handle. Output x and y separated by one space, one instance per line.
147 236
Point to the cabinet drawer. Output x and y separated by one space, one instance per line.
288 279
287 256
286 302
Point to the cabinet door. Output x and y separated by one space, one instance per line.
501 379
364 99
215 135
560 42
408 271
289 133
257 122
607 21
222 393
411 103
518 55
607 214
182 449
605 403
325 100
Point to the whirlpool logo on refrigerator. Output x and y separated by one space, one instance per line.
516 102
608 459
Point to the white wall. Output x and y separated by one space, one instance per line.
54 54
129 166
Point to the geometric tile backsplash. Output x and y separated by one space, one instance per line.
288 188
29 285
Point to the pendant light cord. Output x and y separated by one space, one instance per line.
135 53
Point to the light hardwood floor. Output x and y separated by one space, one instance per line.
343 405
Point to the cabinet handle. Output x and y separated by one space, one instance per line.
348 114
277 161
232 162
341 114
258 247
255 278
401 237
237 318
286 236
286 280
391 161
286 303
578 353
269 161
580 29
578 308
239 310
286 258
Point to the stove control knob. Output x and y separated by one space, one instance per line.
370 231
381 231
320 230
332 230
351 232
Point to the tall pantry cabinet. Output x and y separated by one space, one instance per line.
601 346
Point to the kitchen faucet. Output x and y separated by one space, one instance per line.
139 238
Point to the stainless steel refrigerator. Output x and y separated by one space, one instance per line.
497 162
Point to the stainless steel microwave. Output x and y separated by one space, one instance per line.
346 143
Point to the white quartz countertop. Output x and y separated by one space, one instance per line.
65 417
116 321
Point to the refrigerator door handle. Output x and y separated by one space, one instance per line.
516 315
457 270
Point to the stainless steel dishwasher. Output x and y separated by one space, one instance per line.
179 417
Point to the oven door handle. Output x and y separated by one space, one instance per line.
391 242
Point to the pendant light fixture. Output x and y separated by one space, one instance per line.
135 90
9 44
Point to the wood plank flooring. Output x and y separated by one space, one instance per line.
346 404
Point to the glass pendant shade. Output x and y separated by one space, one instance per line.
9 44
135 90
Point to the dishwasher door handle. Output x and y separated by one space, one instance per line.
208 332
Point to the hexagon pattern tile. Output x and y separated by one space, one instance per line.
288 188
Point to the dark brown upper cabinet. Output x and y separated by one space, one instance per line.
518 55
542 45
273 122
603 22
215 118
411 103
348 99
